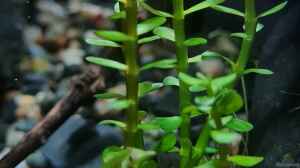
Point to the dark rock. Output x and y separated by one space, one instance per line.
79 142
276 99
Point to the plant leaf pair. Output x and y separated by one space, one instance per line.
168 124
154 11
116 157
202 5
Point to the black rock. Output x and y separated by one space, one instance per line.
79 142
276 99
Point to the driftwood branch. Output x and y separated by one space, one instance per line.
82 88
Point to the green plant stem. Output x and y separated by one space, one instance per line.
133 136
250 30
182 57
201 144
247 113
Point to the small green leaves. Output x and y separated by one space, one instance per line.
228 10
101 42
258 71
154 11
168 124
165 33
195 41
245 161
113 36
259 27
205 103
147 87
113 157
107 63
114 122
171 81
224 137
191 80
228 102
239 35
273 10
161 64
117 157
167 143
118 15
119 104
239 125
150 24
223 82
148 39
108 96
202 5
224 120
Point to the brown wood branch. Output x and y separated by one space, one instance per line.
82 88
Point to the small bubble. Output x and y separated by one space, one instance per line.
16 79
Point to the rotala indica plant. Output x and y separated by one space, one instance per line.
215 100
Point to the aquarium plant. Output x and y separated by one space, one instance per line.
216 98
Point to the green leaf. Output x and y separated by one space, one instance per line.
154 11
118 15
208 55
192 80
239 125
117 7
245 161
138 156
224 120
223 82
208 164
259 27
113 35
192 111
195 41
147 87
258 71
101 42
228 102
114 122
113 157
119 104
211 150
202 5
148 39
228 10
148 126
165 33
171 81
161 64
150 24
239 35
273 10
168 124
108 96
205 103
224 137
197 88
167 143
107 63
